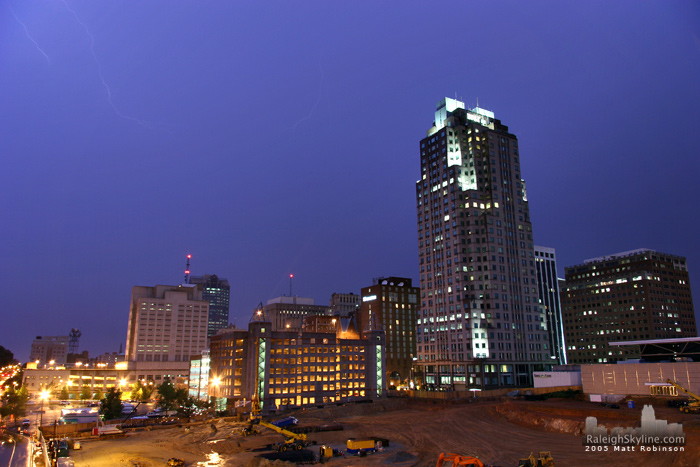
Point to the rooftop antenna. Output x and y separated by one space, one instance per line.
477 102
291 276
187 270
73 338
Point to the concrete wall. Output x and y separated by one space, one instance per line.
632 378
454 395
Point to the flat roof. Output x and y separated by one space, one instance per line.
658 341
655 350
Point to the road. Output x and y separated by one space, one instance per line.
15 454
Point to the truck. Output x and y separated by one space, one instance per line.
106 430
285 422
360 446
80 415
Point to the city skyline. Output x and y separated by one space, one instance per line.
133 137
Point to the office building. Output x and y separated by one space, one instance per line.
167 325
345 304
480 322
288 313
199 376
217 292
392 303
629 296
286 369
548 287
47 349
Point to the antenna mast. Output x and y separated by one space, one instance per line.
187 270
291 276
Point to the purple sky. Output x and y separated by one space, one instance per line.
269 138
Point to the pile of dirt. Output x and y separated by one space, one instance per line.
353 409
520 415
397 457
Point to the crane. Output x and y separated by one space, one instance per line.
292 440
694 405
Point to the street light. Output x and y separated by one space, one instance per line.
44 395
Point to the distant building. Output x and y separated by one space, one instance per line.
629 296
548 287
46 349
110 358
167 325
296 369
392 303
217 292
345 304
288 313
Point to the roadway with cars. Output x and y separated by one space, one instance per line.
15 453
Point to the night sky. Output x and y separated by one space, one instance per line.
269 138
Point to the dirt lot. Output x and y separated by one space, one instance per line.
499 433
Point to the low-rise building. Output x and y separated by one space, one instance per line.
279 368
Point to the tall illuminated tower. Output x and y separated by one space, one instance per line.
480 324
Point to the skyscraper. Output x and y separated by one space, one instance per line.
629 296
480 322
548 285
217 292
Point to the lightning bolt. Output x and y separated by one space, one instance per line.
99 71
26 31
313 109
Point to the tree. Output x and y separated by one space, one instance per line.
15 402
64 395
170 398
99 395
140 392
111 406
85 393
6 357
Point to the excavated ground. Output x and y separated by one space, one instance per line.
498 433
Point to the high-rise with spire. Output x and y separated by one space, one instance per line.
480 324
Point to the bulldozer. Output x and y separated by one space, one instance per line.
544 459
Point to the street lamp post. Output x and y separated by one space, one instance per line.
44 395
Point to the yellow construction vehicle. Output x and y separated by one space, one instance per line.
544 459
694 405
292 440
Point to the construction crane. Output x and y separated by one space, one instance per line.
292 441
694 405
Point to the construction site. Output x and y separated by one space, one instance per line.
403 432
